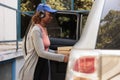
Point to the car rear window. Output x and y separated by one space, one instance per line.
109 31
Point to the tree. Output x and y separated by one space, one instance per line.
29 5
83 4
59 4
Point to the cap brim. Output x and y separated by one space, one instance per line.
52 10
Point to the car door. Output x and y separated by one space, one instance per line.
64 31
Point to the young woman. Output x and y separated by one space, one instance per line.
37 55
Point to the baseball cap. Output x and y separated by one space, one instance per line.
45 7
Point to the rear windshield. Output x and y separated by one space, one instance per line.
109 31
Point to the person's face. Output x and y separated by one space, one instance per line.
48 17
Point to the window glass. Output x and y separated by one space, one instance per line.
109 32
67 25
63 26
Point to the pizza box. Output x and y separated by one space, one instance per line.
64 49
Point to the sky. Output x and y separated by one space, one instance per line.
110 5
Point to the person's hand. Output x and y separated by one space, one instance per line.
66 58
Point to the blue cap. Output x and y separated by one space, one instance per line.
45 7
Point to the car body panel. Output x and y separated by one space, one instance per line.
88 63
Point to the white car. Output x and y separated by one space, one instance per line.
87 62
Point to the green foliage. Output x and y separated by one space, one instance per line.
66 4
29 5
83 4
59 4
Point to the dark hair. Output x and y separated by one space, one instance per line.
36 18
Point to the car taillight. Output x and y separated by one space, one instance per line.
85 64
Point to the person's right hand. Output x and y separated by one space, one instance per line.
66 58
